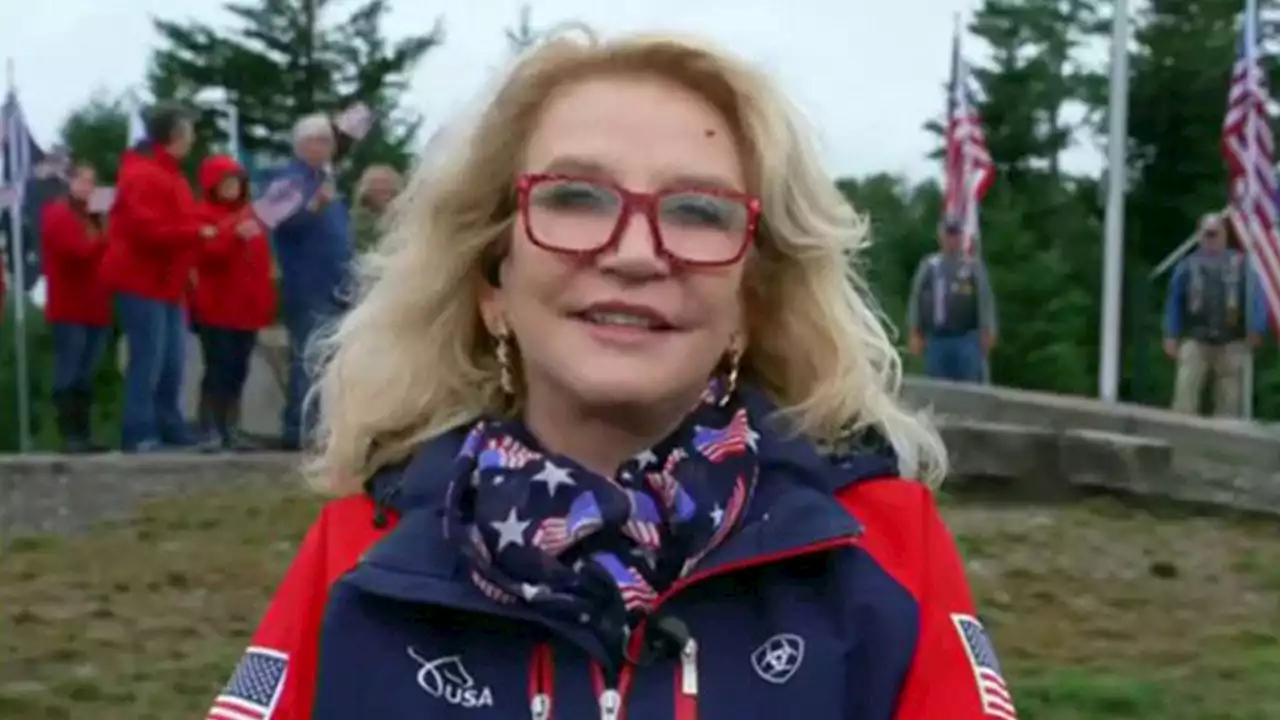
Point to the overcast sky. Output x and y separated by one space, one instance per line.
868 73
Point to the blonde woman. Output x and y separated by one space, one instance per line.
378 186
617 433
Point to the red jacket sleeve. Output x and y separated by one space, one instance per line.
161 225
954 673
276 676
220 247
65 234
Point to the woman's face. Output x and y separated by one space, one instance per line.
230 189
82 183
381 190
627 325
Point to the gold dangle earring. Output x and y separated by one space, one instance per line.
506 378
731 379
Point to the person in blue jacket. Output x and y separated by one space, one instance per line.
615 435
314 250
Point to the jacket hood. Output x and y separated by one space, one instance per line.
214 170
146 152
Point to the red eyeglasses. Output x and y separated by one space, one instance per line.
581 216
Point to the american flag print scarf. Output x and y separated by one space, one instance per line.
539 529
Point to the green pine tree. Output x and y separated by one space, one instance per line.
286 58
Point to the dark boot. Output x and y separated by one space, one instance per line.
207 419
236 440
64 404
84 420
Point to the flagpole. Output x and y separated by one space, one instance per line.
1246 372
971 206
19 260
1117 158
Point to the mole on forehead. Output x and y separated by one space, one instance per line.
709 132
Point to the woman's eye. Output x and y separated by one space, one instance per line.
571 196
703 210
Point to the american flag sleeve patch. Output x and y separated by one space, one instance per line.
997 701
254 688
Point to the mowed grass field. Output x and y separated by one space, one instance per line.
1098 610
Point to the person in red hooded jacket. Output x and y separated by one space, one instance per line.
155 234
233 298
79 306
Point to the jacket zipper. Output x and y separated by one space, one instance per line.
541 682
613 697
686 702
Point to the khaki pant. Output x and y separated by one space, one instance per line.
1195 361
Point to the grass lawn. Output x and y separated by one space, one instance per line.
1099 611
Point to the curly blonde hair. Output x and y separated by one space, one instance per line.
412 359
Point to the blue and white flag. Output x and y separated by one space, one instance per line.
137 125
19 153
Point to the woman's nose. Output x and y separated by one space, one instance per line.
637 251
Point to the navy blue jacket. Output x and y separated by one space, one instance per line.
841 597
314 248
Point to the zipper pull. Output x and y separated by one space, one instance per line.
540 707
610 705
689 668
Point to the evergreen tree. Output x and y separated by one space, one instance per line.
286 58
96 132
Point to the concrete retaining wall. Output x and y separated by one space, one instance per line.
1047 445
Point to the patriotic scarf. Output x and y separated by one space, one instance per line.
539 529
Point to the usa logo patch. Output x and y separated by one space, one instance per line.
997 701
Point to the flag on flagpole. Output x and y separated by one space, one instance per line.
968 169
137 125
1248 146
20 153
355 121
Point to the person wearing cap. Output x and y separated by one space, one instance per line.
951 312
1214 317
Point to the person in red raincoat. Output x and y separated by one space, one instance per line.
233 296
155 236
72 243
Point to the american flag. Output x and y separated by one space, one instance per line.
1247 144
731 440
491 590
355 121
20 152
997 701
968 168
281 200
254 688
636 592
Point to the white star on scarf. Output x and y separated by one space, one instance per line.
530 591
717 515
554 477
646 458
511 530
